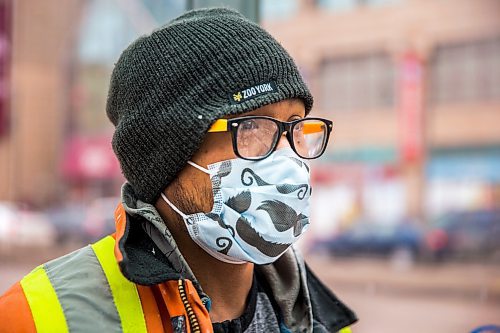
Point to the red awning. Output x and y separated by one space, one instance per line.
90 158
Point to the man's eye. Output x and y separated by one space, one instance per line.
249 125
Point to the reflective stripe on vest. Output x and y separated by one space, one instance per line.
84 291
43 302
125 295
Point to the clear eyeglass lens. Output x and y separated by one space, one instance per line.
256 137
309 137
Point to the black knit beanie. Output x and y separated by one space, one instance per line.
168 87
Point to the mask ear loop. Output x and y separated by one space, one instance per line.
177 210
202 169
184 216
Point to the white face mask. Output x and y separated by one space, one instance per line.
260 208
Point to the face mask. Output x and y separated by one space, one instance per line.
260 208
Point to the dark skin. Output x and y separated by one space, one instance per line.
227 284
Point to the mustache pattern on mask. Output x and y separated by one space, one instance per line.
284 217
248 176
224 170
249 180
223 225
299 162
224 243
252 237
289 188
240 202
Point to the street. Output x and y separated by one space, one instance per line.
447 299
387 298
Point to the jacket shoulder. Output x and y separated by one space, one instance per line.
15 312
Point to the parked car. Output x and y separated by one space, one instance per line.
8 217
68 220
22 227
375 239
100 220
468 234
84 223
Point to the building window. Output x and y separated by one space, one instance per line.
337 5
354 83
278 10
467 72
342 5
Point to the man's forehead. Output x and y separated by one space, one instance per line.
279 109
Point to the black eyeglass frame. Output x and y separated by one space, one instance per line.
283 126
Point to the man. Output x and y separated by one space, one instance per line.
212 137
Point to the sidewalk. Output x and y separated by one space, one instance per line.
456 280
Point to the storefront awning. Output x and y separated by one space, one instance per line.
478 164
90 158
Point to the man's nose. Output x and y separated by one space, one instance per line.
283 142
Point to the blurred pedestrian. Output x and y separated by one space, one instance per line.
213 134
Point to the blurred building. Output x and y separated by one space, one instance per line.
55 62
413 87
37 43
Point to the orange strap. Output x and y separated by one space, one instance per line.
120 222
150 309
182 299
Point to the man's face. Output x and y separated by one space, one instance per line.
192 190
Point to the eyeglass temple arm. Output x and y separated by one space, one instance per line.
313 127
219 126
